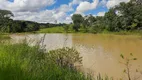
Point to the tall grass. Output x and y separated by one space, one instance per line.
58 29
2 36
52 30
22 62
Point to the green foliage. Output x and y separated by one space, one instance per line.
8 25
23 62
122 56
52 30
123 17
5 14
57 29
2 37
110 20
77 20
66 28
88 22
66 57
4 19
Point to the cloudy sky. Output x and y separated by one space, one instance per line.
61 10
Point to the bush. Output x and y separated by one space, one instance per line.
65 57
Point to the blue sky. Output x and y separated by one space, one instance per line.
48 11
93 12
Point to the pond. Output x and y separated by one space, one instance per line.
100 52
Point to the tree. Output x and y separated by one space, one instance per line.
110 20
5 16
91 19
66 28
77 20
88 22
99 24
131 16
125 16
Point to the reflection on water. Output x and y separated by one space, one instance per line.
101 53
52 41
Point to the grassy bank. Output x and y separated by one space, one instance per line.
4 36
22 62
62 30
52 30
59 29
124 32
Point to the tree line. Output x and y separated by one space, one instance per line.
123 17
8 25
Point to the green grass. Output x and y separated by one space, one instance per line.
52 30
136 32
23 62
4 36
60 29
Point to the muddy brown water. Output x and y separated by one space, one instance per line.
100 52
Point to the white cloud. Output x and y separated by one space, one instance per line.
25 5
101 14
75 2
43 16
85 6
32 10
103 3
112 3
65 8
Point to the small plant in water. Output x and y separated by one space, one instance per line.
127 63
